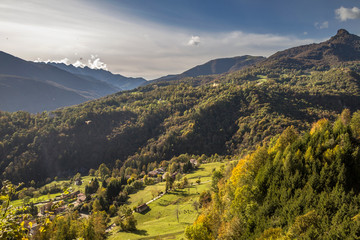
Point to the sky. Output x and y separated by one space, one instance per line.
154 38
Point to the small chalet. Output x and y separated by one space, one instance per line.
153 173
59 210
78 182
142 208
81 197
156 172
160 170
194 162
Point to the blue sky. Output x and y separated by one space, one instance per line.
152 38
256 16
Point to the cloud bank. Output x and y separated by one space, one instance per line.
344 14
94 62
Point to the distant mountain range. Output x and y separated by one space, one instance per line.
36 87
116 80
216 66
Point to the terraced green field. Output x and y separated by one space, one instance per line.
171 214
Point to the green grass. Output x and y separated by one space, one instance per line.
161 221
46 197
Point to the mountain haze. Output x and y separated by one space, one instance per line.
36 87
117 80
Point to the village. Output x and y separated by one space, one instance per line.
75 199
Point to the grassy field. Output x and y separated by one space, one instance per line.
170 215
47 197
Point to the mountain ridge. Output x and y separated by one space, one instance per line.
340 48
215 66
117 80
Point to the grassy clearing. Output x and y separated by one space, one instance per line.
170 215
47 197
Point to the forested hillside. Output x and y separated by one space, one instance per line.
298 186
227 114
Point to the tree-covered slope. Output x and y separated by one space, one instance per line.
207 115
299 186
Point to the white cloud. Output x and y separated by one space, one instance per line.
194 41
78 63
344 14
322 25
95 63
65 61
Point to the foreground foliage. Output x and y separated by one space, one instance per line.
300 186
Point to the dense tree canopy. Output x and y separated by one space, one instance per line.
299 186
226 114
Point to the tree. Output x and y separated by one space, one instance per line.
198 181
168 180
103 171
196 206
92 187
113 189
303 223
345 116
126 219
10 227
216 176
355 124
77 177
96 206
146 180
205 198
92 172
185 182
197 231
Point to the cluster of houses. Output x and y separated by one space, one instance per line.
80 197
156 172
48 207
160 171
